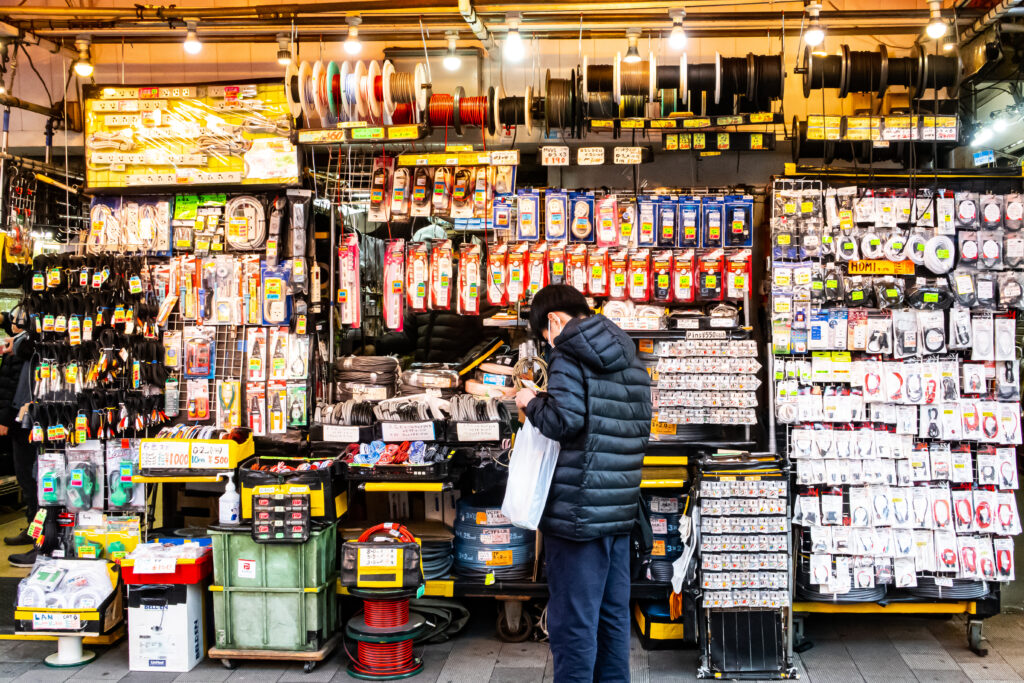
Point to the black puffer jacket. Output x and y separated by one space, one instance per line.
598 407
10 372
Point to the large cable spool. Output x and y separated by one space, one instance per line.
311 120
864 72
938 72
703 81
559 104
513 111
361 109
291 89
320 101
334 85
374 91
347 79
822 71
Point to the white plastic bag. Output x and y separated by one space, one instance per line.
530 469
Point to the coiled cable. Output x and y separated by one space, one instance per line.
251 209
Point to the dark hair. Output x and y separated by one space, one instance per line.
554 298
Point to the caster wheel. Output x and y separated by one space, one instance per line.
975 639
308 666
517 634
228 664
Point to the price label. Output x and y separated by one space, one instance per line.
477 431
341 433
696 123
554 155
590 156
505 157
211 456
495 558
56 621
407 431
492 518
495 536
402 132
378 557
155 565
627 155
164 454
368 133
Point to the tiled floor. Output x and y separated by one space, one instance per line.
846 648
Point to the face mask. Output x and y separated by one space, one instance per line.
551 335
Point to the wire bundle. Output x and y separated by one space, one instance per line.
823 71
373 377
559 104
437 557
962 589
441 110
486 543
864 72
473 111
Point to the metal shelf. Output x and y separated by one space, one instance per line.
475 588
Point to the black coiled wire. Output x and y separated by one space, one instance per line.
864 72
438 557
962 589
660 570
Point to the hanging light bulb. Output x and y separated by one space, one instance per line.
936 26
677 39
452 61
352 44
192 44
981 136
83 65
815 33
284 53
1000 122
632 54
513 49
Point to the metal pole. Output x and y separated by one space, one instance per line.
331 298
3 162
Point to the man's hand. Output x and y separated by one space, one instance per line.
3 430
523 397
6 345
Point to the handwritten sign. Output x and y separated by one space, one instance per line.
627 155
590 156
554 155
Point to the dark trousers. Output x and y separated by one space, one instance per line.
25 469
588 609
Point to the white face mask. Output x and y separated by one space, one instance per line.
551 333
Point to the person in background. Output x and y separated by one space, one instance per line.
598 407
15 393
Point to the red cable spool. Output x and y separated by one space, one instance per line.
402 113
384 638
473 110
378 88
440 110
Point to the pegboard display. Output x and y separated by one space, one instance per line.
148 137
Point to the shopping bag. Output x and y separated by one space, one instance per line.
530 469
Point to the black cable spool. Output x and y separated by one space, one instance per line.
823 71
512 111
736 80
577 103
491 123
669 102
937 72
804 148
600 105
766 82
558 105
600 79
700 79
668 77
903 71
865 71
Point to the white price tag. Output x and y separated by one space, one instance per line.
496 536
590 156
477 431
155 565
164 454
505 157
627 155
56 621
407 431
554 155
378 557
211 456
246 569
341 433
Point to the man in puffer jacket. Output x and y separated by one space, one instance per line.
598 407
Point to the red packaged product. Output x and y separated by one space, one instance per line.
578 267
618 266
709 275
537 267
597 263
682 276
497 274
518 276
661 276
737 275
640 276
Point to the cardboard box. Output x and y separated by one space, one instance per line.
165 627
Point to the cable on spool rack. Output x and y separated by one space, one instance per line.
441 110
902 71
559 103
360 109
334 86
803 148
402 88
291 82
736 78
703 82
306 95
320 102
767 74
865 71
938 72
822 71
514 111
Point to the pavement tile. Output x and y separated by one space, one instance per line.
990 668
931 662
943 676
511 674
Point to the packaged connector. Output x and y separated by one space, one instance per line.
380 190
667 222
537 268
607 222
647 216
441 273
469 279
710 265
597 267
682 276
661 276
518 275
556 213
739 211
582 225
618 273
712 218
556 264
640 276
689 222
737 275
417 272
577 254
394 284
497 275
349 292
528 218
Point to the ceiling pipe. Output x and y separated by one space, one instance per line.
30 39
991 17
476 25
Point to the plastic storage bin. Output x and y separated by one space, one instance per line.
277 619
240 562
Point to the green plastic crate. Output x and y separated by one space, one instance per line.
290 620
240 562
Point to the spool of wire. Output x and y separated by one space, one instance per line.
823 71
558 104
437 557
767 79
803 148
660 570
736 79
939 71
902 71
962 589
865 71
703 85
486 543
441 110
